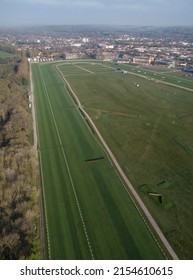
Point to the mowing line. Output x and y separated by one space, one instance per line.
125 179
68 169
108 66
83 69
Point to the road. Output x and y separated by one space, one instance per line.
124 177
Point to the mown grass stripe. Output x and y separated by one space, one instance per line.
68 169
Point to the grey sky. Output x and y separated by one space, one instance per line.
127 12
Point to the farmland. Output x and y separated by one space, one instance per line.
148 126
89 213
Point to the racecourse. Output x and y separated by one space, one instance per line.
147 124
89 214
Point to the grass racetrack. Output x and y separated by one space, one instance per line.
89 213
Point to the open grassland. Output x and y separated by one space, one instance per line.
89 213
148 126
82 68
157 76
5 55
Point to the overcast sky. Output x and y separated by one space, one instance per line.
120 12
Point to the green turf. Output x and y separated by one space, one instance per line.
156 75
5 55
149 129
87 209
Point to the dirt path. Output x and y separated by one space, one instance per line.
124 177
34 148
35 153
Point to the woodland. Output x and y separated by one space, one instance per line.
19 194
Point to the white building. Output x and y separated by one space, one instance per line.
85 40
109 47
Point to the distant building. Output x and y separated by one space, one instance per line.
108 56
85 40
77 45
125 61
141 60
151 60
168 62
109 46
74 55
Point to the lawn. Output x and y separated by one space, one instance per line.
88 212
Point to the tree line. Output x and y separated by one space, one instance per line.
19 210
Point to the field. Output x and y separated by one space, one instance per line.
148 126
5 55
89 213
